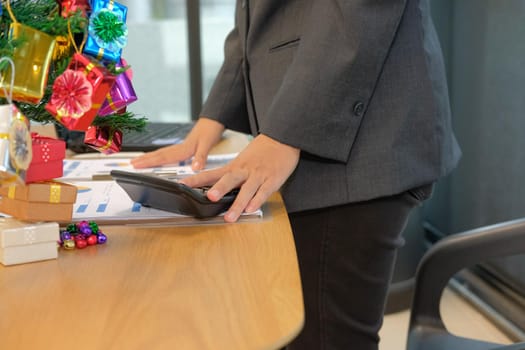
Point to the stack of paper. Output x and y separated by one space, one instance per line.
101 199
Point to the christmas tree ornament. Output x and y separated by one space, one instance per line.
23 28
107 30
79 236
92 240
102 238
32 58
20 143
68 7
15 138
79 92
72 229
121 95
103 139
84 228
94 226
72 94
65 235
63 48
72 237
68 244
80 243
15 145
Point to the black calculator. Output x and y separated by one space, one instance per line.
166 193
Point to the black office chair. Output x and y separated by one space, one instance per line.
447 257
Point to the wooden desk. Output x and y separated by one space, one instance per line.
227 286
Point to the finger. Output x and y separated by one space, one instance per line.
148 160
164 155
204 178
206 134
227 182
238 206
246 193
263 193
201 155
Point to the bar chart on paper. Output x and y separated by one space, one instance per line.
99 168
106 202
101 199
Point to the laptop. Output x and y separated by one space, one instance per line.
155 136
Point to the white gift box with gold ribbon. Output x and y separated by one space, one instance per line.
21 242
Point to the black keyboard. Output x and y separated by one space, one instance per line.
155 135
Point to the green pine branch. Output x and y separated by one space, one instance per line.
126 121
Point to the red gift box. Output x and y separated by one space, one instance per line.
102 140
47 162
101 80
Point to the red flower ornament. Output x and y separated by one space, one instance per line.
72 94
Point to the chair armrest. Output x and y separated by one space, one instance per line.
454 253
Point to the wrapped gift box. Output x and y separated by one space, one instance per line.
22 242
121 94
101 81
48 157
35 51
96 45
39 201
103 140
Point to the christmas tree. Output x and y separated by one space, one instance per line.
69 68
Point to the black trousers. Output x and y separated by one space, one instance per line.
346 257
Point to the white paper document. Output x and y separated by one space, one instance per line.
107 203
106 199
101 199
99 168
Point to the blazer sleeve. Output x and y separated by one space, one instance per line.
326 90
226 101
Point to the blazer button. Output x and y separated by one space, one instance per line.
359 108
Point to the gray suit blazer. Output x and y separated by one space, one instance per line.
358 85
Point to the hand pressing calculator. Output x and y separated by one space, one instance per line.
165 193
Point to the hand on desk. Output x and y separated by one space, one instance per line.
205 134
259 170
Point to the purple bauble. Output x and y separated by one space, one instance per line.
65 235
102 238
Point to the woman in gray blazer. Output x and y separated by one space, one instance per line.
348 105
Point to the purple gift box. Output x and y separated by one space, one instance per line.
120 95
